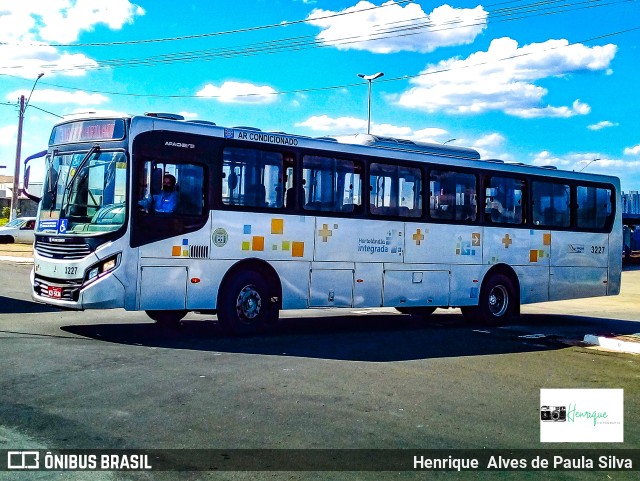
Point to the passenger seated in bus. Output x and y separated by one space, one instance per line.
166 200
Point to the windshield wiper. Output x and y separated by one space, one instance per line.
95 148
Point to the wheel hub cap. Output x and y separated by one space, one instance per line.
249 303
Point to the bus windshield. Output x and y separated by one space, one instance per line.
84 193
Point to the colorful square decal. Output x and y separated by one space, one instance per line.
277 226
546 239
246 245
297 249
286 245
247 229
257 243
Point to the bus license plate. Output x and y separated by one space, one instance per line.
55 292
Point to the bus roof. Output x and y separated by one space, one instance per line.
342 143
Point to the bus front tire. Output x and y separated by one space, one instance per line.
168 317
245 305
497 302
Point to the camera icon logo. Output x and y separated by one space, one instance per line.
553 413
23 460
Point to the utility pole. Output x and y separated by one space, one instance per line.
16 174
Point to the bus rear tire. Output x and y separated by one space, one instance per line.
497 303
167 318
245 304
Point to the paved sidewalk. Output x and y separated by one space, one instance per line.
22 253
629 343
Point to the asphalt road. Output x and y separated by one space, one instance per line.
338 379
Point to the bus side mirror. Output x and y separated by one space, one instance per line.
32 191
35 193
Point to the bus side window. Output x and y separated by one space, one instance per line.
253 178
504 200
331 185
452 195
550 204
185 198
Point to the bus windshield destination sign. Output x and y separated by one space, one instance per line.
88 130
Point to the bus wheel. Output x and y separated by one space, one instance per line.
244 304
497 303
416 311
167 318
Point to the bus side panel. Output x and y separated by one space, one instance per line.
574 283
356 240
579 265
416 285
294 278
534 283
451 244
465 284
512 247
268 236
367 288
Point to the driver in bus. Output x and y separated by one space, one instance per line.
166 200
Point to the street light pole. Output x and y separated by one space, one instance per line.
16 174
370 79
589 163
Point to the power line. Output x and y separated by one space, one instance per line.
358 84
205 35
384 31
46 111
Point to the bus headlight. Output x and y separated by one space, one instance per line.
101 268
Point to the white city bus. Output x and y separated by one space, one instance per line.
263 221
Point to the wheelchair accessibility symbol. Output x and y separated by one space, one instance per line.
62 227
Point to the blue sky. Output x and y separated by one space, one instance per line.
550 82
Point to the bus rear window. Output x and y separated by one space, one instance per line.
594 207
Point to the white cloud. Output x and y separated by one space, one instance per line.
394 28
502 79
240 93
589 162
30 60
632 150
26 26
8 135
578 108
51 96
341 125
353 125
62 21
604 124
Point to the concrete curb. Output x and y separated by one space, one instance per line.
629 344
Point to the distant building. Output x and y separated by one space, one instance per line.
6 186
631 202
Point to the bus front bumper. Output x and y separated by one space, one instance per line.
104 293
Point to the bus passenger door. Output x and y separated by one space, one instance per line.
331 287
163 288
